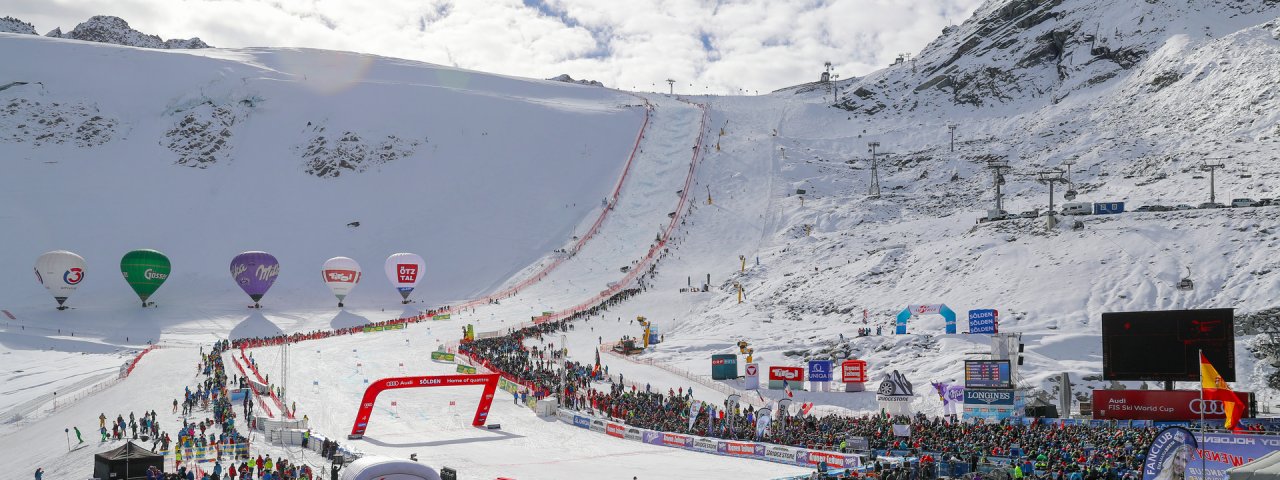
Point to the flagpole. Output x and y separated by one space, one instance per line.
1204 475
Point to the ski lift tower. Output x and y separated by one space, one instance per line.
874 190
999 167
1211 168
1050 177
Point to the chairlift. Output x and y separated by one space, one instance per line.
1000 180
1070 195
1186 284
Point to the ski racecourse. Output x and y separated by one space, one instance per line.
369 267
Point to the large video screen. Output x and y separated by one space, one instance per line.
987 374
1166 345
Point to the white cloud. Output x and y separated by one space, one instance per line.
755 44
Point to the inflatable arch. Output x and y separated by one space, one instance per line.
490 382
384 468
913 310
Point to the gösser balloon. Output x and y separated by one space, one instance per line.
341 274
145 270
60 271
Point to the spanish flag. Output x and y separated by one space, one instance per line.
1213 387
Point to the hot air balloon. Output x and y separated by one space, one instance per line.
404 270
60 271
255 272
145 270
341 274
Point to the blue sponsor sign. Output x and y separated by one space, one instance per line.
579 421
988 397
821 370
984 321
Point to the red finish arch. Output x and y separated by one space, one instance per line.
490 382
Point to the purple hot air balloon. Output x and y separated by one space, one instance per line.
255 272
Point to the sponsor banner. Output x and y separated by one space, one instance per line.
581 421
811 458
706 444
988 397
676 440
738 449
859 444
984 321
853 371
633 433
650 437
751 377
597 425
1158 405
724 366
445 356
925 309
615 430
1169 454
1225 450
443 316
565 416
793 375
466 369
820 370
780 454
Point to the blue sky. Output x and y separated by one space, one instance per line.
707 46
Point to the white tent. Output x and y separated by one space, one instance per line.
1265 468
384 468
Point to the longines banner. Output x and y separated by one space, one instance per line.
1158 405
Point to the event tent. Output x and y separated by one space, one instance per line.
127 461
1265 468
379 468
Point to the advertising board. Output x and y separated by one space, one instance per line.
777 453
597 425
724 366
615 430
706 444
988 397
793 375
1226 450
985 321
1158 405
739 449
443 356
853 371
751 376
581 421
821 370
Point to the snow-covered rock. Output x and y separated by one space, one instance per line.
13 25
109 29
564 77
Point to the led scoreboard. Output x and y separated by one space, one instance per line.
987 374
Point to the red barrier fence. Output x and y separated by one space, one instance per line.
138 358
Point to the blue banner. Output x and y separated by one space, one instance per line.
821 370
984 321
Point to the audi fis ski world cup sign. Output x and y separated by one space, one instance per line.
1159 405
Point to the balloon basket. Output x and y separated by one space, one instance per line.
340 305
62 307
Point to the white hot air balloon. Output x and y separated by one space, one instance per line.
341 274
404 270
61 272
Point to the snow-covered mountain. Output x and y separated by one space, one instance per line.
105 29
13 25
205 153
564 77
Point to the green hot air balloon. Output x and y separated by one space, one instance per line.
145 270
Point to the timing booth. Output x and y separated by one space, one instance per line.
127 461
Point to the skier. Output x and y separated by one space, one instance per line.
39 474
78 434
102 419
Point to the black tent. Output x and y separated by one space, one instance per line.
128 461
